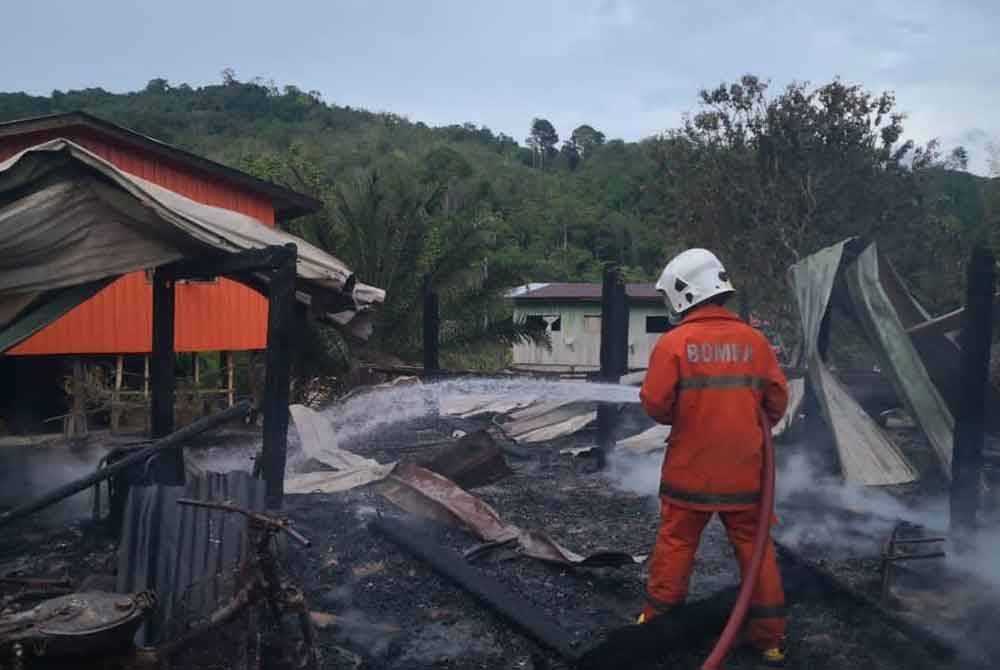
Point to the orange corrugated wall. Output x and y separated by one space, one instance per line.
221 316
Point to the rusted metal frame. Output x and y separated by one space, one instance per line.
263 583
244 598
168 442
262 521
939 647
890 557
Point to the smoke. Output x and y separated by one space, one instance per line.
635 473
27 473
814 509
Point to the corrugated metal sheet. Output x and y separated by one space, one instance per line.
174 176
576 291
223 316
187 555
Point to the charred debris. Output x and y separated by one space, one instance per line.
504 524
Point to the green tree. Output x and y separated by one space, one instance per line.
543 140
587 139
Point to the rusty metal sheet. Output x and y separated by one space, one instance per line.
428 494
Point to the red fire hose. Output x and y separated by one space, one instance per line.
739 613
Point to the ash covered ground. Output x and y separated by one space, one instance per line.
394 612
374 606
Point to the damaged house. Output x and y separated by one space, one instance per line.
100 228
105 315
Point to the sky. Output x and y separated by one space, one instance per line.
630 68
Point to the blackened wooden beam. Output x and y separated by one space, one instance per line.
515 610
161 446
277 376
613 354
970 415
169 468
614 325
251 260
431 326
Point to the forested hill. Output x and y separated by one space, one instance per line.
763 176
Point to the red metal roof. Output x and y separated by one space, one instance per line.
284 203
220 316
586 292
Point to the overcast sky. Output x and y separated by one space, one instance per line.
628 67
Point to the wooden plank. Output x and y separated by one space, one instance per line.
278 376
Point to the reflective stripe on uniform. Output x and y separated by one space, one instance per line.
721 382
709 498
767 612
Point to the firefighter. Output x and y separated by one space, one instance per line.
707 379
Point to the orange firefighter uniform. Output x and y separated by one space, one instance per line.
708 378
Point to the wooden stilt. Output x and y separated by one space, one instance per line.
116 396
197 383
75 425
230 380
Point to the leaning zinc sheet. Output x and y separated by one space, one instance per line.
867 457
899 356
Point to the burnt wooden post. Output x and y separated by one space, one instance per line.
432 326
970 416
614 354
277 375
614 326
169 467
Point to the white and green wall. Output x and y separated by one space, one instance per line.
575 332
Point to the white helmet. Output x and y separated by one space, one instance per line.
691 278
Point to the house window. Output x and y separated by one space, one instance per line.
592 323
551 322
657 324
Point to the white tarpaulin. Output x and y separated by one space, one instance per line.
68 217
316 439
